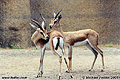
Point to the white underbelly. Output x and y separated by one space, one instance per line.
81 43
47 46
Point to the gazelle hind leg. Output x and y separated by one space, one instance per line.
101 53
53 47
95 53
61 45
60 62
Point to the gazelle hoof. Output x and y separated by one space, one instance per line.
67 71
37 76
41 73
90 70
102 71
71 76
59 77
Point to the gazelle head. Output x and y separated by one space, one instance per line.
40 32
55 19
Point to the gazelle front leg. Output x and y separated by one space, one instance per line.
40 71
70 58
60 61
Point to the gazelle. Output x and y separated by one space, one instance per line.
38 38
85 37
42 39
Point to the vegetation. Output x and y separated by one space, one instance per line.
14 47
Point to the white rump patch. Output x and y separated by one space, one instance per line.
61 42
81 43
55 41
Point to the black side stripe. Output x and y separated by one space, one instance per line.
94 51
57 43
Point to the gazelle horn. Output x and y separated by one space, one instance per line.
43 20
37 23
58 13
33 26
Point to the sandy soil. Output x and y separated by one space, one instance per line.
25 62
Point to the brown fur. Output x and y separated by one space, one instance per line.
77 36
81 35
38 39
54 33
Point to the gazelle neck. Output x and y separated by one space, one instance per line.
59 28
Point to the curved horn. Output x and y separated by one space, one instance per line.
33 26
37 23
58 13
43 20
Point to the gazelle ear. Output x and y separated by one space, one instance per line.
53 15
43 25
59 17
44 22
58 13
33 26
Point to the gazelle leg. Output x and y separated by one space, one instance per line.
53 44
63 50
70 58
38 75
67 66
40 71
95 53
66 62
64 57
101 53
60 61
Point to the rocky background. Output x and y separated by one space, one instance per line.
102 16
14 27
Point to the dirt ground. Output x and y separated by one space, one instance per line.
24 63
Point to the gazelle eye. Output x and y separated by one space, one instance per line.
41 33
55 22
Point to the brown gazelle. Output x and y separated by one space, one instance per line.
41 40
38 38
85 37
